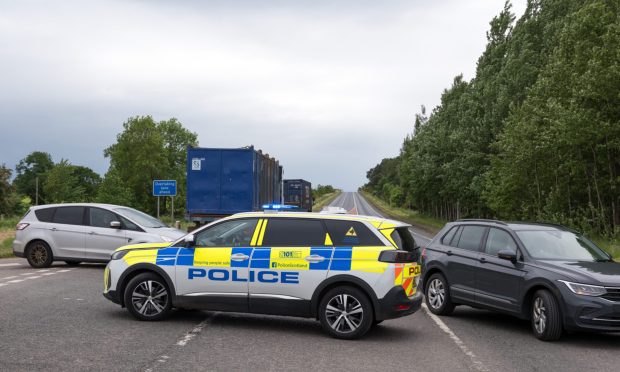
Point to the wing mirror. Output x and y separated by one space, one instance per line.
115 225
506 254
189 240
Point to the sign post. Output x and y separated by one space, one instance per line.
165 188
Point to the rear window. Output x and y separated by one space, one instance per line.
285 232
447 239
403 238
348 233
69 215
471 237
45 214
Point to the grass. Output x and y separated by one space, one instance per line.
324 200
6 245
611 246
432 225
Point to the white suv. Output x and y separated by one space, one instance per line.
85 232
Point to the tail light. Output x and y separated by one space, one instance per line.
21 226
424 254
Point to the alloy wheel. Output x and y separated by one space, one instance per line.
344 313
149 298
540 315
436 293
38 254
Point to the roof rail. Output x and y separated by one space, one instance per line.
481 220
545 223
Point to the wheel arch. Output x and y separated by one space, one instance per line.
430 272
528 294
138 269
339 280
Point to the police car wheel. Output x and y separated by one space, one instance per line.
147 297
437 295
346 312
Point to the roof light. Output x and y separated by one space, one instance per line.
278 207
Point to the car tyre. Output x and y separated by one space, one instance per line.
437 295
73 263
39 254
346 313
546 317
147 297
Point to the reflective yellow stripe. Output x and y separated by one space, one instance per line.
213 257
256 232
328 240
140 256
262 233
388 234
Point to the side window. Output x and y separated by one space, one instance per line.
348 233
235 233
499 240
128 225
471 237
288 232
69 215
101 217
45 215
448 237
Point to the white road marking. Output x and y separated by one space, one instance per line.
2 284
193 333
64 271
10 264
474 359
9 277
16 280
27 274
42 271
31 276
49 273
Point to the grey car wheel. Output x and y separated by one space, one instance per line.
39 254
546 318
346 312
147 297
437 295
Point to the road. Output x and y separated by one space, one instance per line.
56 319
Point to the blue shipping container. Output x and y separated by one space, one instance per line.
299 193
222 182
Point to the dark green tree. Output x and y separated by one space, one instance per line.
30 170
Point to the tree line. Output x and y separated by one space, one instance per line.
535 135
144 151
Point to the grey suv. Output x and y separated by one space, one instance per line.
87 232
543 272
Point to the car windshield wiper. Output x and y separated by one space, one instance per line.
604 260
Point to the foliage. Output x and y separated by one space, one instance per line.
321 190
34 166
145 151
67 183
535 135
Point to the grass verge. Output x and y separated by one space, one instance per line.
324 200
6 246
610 246
427 223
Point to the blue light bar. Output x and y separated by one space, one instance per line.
278 207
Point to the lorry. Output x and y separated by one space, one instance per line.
298 193
225 181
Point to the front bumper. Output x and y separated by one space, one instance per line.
112 296
590 313
396 304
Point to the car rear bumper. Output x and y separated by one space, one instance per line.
396 304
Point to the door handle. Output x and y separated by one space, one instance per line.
239 257
315 258
92 233
482 260
54 229
449 253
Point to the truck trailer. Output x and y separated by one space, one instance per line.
298 193
221 182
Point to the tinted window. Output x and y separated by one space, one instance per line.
69 215
561 245
101 217
236 233
470 237
348 233
404 239
448 237
499 240
128 225
286 232
45 215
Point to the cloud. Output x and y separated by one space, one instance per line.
329 88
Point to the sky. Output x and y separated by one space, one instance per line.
329 88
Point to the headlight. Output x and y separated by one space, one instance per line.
119 254
166 239
585 289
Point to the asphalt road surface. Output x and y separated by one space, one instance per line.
57 319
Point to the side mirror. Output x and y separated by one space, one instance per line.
506 254
115 225
189 240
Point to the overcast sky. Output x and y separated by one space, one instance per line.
327 87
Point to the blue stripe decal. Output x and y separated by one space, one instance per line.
245 251
166 256
261 253
185 257
324 265
342 259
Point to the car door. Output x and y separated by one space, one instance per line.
213 273
290 261
499 281
463 252
101 238
67 232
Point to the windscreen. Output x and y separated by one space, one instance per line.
560 245
142 219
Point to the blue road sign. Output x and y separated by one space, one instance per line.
164 188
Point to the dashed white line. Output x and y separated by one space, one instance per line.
191 334
16 280
10 264
474 359
10 277
30 276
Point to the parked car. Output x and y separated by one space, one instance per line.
547 273
86 232
349 272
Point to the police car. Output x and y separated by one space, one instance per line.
350 272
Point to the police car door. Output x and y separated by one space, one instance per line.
291 259
214 273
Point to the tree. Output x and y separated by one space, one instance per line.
113 190
145 151
62 185
30 169
8 199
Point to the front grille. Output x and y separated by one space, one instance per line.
613 294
